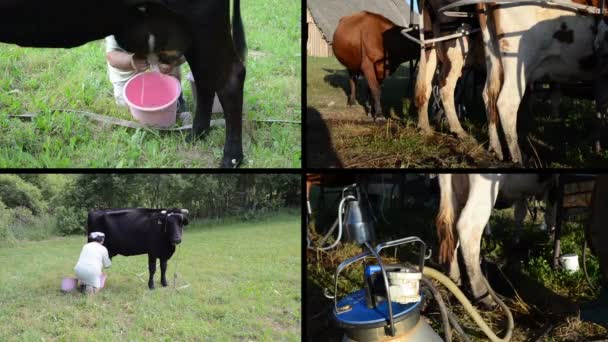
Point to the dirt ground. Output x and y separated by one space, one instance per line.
343 136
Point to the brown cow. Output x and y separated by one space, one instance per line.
371 44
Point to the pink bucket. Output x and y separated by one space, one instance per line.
68 284
152 98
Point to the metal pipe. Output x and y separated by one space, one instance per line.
389 302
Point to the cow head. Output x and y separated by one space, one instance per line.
175 220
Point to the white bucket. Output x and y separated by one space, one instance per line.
569 262
404 286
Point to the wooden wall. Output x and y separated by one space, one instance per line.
316 45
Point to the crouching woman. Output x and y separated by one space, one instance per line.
93 258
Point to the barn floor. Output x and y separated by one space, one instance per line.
342 136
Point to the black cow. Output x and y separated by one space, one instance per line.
201 30
155 232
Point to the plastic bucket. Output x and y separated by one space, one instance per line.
152 98
68 284
103 280
569 262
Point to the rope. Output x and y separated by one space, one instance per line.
130 124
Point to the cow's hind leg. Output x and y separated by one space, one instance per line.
451 71
163 271
152 270
223 72
231 97
508 103
422 91
352 79
474 217
370 74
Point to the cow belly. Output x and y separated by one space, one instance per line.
547 43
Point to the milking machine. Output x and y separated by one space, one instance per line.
388 305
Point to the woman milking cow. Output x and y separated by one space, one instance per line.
93 258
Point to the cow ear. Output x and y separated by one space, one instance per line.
185 211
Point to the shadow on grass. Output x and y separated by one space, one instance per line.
320 149
395 89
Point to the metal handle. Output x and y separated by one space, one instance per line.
376 253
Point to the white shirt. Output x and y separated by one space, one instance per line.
93 256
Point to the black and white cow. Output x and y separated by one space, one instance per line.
200 30
155 232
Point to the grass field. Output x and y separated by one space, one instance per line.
538 296
245 284
343 136
43 81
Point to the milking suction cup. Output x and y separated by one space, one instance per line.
358 218
366 315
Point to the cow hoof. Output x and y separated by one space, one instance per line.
426 131
164 283
151 286
380 118
350 103
232 163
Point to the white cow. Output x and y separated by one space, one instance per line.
466 203
527 42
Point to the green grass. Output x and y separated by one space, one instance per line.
244 285
355 141
44 80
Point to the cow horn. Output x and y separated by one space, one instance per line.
185 211
163 212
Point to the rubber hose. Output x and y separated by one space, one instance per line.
329 232
445 281
454 322
445 322
593 288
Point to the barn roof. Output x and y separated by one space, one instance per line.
327 13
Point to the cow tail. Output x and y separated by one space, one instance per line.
238 31
445 219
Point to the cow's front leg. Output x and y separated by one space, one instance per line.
163 271
152 269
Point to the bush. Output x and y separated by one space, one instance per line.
5 221
70 220
24 225
15 192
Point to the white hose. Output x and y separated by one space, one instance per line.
445 281
340 209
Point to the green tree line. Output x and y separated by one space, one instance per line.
39 205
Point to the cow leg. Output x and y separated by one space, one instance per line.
451 71
473 218
520 215
163 271
493 81
455 269
231 98
370 74
352 80
223 72
508 104
152 270
424 86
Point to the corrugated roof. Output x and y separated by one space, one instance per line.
327 13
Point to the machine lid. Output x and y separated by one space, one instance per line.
362 316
